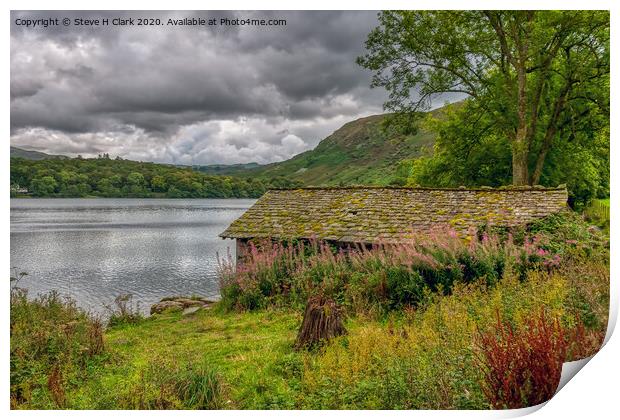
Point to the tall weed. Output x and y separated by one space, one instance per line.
522 367
382 277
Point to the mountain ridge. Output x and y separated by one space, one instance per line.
362 151
365 151
18 152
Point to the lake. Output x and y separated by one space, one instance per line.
96 249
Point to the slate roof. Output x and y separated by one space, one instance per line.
377 214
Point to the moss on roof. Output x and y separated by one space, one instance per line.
373 214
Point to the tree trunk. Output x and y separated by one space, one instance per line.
520 145
540 160
322 321
552 129
519 161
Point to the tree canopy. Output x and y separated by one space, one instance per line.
104 177
536 83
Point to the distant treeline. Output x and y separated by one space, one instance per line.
105 177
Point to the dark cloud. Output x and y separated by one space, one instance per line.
189 94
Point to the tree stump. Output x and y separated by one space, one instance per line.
322 321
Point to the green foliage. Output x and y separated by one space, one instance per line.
123 311
583 167
165 385
408 359
426 358
569 235
598 213
588 296
390 277
462 154
53 344
104 177
537 89
43 186
199 388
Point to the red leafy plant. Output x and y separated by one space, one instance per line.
521 367
583 342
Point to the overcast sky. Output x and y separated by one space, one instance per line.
189 95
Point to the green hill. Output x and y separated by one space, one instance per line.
360 152
17 152
363 151
219 169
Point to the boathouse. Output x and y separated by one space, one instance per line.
369 215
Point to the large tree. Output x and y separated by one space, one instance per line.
534 77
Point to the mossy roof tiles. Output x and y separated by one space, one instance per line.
373 214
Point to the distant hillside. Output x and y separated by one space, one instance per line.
16 152
360 152
225 169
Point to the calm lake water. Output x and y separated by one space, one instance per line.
96 249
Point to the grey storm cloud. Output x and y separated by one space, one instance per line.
192 95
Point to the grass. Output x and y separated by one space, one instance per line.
406 348
422 358
598 213
245 349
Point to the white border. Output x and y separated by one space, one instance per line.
593 393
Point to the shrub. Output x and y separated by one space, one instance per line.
583 342
55 385
589 293
263 274
199 388
52 342
290 366
166 385
123 311
522 367
387 276
432 358
568 235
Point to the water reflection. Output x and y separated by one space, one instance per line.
95 249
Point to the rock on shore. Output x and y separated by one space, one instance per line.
188 305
